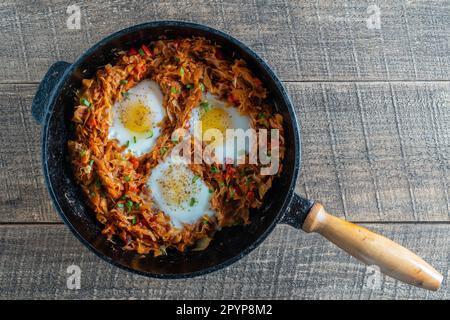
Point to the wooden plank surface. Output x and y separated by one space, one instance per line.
290 265
372 151
373 104
302 40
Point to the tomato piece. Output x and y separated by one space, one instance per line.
133 189
230 170
92 122
146 50
132 51
135 162
250 195
219 54
232 99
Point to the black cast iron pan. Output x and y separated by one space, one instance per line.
53 107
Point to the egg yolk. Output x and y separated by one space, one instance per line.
136 117
177 186
216 118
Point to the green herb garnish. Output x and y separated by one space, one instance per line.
189 86
202 87
141 52
127 143
120 205
125 94
123 81
134 139
133 221
214 169
195 178
193 202
129 205
181 71
162 150
173 90
85 102
127 178
83 152
91 163
205 105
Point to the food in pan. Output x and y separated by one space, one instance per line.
126 142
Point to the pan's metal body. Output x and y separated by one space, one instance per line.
53 107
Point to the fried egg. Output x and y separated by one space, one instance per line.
136 118
178 192
216 117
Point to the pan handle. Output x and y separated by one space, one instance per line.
373 249
41 99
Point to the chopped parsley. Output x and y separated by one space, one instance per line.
193 202
202 87
134 139
127 178
123 81
141 52
134 220
214 169
189 86
120 205
205 105
162 150
195 178
91 162
127 143
150 134
85 102
125 94
181 71
173 90
129 205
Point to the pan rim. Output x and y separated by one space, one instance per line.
258 60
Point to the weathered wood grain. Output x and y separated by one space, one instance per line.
372 151
288 265
23 196
302 40
376 151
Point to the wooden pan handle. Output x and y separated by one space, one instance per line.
373 249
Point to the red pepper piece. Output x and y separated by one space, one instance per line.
146 50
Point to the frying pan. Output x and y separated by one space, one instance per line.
53 106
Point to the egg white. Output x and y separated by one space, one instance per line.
231 119
146 93
178 193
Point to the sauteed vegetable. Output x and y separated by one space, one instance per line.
124 119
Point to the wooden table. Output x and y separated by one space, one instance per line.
373 104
